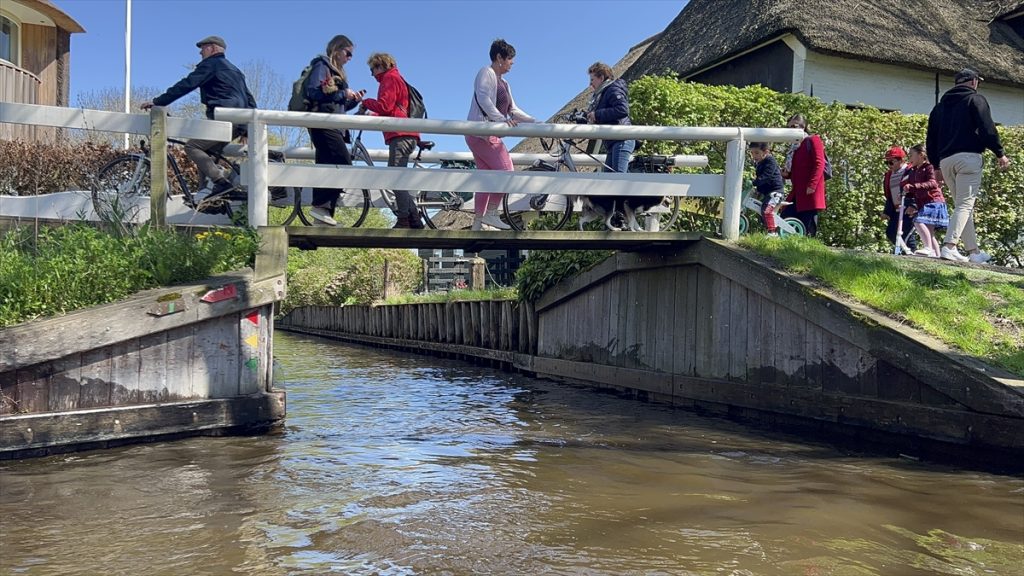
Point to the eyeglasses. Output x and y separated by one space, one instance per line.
347 52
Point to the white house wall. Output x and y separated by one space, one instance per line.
894 88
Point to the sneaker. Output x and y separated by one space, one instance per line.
924 252
952 254
772 234
322 215
979 257
491 219
478 225
415 222
222 187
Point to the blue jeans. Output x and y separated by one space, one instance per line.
618 154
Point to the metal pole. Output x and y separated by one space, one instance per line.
127 65
734 160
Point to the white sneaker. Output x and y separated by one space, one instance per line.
322 215
491 219
924 252
952 254
478 225
979 257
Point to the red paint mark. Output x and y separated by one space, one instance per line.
226 293
253 317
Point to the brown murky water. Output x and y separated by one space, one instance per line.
401 464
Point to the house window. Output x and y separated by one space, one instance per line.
9 41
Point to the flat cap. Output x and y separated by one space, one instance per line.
212 40
966 75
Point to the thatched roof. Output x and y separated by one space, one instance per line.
532 145
934 35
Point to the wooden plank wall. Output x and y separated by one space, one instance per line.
222 357
689 320
496 325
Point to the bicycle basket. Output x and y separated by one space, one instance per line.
651 163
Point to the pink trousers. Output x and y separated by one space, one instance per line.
489 153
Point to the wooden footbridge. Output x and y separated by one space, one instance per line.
307 237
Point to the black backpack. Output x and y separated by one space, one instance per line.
416 107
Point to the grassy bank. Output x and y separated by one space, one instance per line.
57 270
454 296
977 310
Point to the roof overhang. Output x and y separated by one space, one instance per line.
42 13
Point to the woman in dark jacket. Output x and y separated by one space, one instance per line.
609 104
327 91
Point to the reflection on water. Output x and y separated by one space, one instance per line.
400 464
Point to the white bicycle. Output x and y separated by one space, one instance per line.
785 226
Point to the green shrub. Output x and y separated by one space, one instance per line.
856 140
545 268
75 266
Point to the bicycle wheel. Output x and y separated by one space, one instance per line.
537 211
795 224
120 186
744 224
443 210
662 217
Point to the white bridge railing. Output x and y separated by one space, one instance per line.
259 173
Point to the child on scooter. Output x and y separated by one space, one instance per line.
768 183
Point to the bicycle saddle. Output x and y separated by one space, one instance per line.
425 144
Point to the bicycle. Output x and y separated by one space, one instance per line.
785 226
120 185
433 206
659 216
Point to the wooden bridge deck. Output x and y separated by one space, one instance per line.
310 238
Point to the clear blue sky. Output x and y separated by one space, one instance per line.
439 45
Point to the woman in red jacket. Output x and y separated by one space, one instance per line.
805 167
393 100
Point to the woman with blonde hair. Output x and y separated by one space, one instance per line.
326 90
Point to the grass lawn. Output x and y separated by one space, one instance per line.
976 309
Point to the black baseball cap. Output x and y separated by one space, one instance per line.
966 75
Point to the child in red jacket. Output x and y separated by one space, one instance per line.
929 205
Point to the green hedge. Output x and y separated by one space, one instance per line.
855 140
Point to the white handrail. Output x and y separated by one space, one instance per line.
436 157
86 119
603 131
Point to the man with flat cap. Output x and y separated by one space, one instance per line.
220 83
960 128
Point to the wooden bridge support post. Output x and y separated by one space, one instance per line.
734 160
478 272
157 166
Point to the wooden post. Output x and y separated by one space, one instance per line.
425 267
387 280
158 166
259 193
734 160
478 271
272 257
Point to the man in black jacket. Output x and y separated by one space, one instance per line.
960 128
220 83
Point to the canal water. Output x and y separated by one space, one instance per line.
399 464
